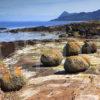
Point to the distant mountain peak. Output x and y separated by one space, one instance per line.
98 10
82 16
64 14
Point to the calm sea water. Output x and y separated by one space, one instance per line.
7 37
33 24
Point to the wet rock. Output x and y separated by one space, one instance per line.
7 48
63 35
20 43
3 28
14 31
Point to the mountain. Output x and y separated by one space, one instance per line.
82 16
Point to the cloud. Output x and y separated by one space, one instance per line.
43 9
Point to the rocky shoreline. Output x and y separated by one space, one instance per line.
7 48
83 29
52 82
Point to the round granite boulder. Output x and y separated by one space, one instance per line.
89 47
51 57
75 64
71 49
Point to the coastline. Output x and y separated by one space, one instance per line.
89 27
83 30
26 54
41 78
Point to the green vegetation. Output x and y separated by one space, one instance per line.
51 57
12 80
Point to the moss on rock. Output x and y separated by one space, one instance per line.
51 57
89 47
71 49
74 64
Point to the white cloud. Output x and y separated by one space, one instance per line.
43 9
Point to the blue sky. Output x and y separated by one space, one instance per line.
42 10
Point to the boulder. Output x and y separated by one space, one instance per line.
7 48
63 35
12 80
71 49
51 57
89 47
74 64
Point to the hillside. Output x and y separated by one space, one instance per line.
82 16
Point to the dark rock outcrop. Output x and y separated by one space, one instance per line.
7 48
84 29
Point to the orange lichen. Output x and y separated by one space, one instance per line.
74 64
51 57
12 80
71 49
6 76
18 71
86 58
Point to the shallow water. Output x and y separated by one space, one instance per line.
33 24
7 37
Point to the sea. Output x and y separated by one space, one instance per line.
8 37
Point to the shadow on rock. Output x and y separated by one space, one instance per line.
64 73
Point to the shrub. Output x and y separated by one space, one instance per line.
71 49
51 57
74 64
12 80
89 47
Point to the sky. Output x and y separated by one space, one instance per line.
43 10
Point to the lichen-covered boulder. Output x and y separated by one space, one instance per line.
12 80
74 64
89 47
51 57
71 49
2 65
